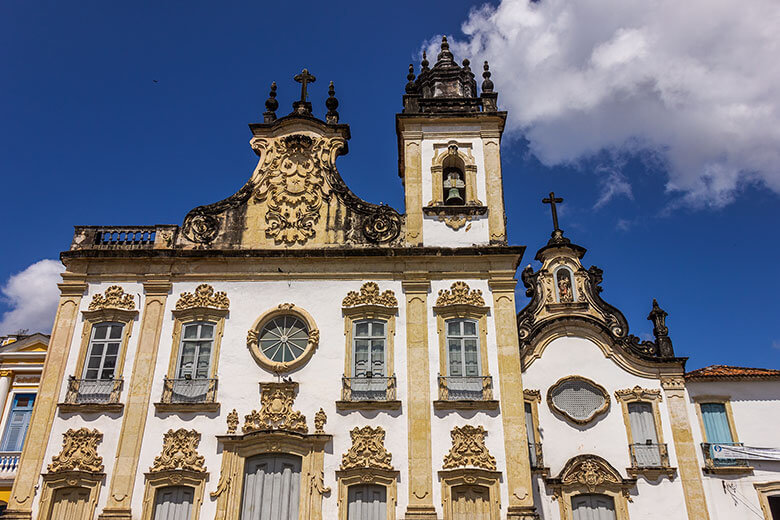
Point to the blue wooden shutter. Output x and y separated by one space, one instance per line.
18 422
716 424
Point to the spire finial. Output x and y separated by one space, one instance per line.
424 63
304 78
660 330
410 80
332 117
271 104
445 55
487 84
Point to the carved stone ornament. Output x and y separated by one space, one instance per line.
382 225
459 294
202 224
114 298
369 295
276 410
319 421
179 452
79 452
232 422
204 296
638 394
368 450
590 471
468 449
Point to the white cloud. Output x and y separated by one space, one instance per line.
697 83
613 184
32 295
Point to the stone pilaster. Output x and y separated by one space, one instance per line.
518 463
418 400
491 141
26 482
413 187
125 471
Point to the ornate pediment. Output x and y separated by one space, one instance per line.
204 296
369 295
368 450
295 198
179 452
468 449
114 298
276 412
638 394
592 472
460 294
79 452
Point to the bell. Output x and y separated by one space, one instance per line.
453 195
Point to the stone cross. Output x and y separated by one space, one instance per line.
304 78
552 200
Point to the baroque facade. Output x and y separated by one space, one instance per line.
294 352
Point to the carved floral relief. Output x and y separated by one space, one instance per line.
468 449
590 471
204 296
368 450
114 298
369 295
276 410
179 452
460 294
79 452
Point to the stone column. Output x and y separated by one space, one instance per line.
125 472
495 190
518 462
23 492
690 473
6 376
419 404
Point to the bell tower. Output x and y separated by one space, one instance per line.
449 147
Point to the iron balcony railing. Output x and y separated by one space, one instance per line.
371 388
93 391
535 454
465 388
710 461
9 463
188 390
649 455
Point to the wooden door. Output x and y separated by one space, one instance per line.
470 503
71 503
271 488
368 502
173 503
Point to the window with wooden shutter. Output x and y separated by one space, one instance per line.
173 503
18 422
271 488
593 507
367 502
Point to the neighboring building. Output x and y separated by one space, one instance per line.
294 352
21 363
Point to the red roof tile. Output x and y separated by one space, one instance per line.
730 372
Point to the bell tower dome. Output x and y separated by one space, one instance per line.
449 140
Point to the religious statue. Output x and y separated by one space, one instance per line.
565 294
453 185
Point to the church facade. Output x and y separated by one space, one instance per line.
295 352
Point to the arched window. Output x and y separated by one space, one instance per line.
564 285
453 181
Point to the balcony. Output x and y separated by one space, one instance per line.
9 463
650 460
713 463
535 455
368 393
123 237
188 395
465 393
92 395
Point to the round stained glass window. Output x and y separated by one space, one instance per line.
284 339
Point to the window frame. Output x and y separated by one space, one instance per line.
462 337
200 315
104 342
97 317
488 479
766 490
709 466
7 419
254 332
653 397
386 371
533 398
173 478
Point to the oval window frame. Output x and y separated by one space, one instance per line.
284 309
594 415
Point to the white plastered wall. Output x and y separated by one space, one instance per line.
436 233
755 406
605 436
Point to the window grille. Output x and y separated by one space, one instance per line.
578 399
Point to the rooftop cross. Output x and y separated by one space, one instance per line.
304 78
552 200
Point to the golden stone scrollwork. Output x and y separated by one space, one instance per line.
232 422
114 298
368 450
638 394
370 295
294 186
79 452
179 452
468 449
459 294
590 472
203 296
319 421
276 410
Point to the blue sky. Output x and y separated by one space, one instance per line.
89 137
